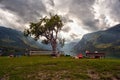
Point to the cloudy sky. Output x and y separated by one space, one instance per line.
79 16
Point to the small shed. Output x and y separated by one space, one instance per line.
95 55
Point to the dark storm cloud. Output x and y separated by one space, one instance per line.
115 10
66 29
22 12
82 9
51 2
27 9
1 0
91 25
30 10
66 19
74 13
73 35
70 20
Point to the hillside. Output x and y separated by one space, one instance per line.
103 41
13 39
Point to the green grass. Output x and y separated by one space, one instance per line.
63 68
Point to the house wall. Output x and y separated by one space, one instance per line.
95 55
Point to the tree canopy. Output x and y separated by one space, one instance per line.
48 27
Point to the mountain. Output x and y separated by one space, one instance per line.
107 41
10 38
68 48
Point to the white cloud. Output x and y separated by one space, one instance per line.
105 11
10 19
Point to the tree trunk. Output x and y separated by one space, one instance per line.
54 47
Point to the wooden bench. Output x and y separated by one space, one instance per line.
33 53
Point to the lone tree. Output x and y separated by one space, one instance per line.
48 28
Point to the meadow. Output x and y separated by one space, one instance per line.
62 68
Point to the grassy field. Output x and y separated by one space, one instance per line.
63 68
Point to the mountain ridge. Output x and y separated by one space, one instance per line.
16 38
13 41
107 41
